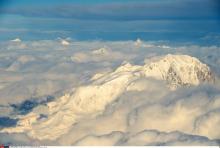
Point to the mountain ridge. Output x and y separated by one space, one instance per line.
176 70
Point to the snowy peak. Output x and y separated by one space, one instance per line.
101 51
65 43
178 70
138 42
18 40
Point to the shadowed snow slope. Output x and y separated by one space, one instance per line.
89 101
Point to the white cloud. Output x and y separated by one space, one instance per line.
147 113
153 137
101 55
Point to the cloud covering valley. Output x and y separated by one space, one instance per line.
141 109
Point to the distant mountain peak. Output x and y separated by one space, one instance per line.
138 42
65 43
16 40
101 51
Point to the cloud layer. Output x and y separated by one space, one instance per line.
148 113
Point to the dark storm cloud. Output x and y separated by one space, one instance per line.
186 9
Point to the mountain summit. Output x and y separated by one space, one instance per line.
178 70
92 99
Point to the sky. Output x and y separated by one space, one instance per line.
179 20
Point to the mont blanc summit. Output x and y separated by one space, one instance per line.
179 70
92 99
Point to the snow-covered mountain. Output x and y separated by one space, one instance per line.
16 40
65 43
179 70
56 118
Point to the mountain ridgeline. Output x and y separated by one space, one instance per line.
62 113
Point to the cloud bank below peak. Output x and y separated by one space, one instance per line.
187 111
